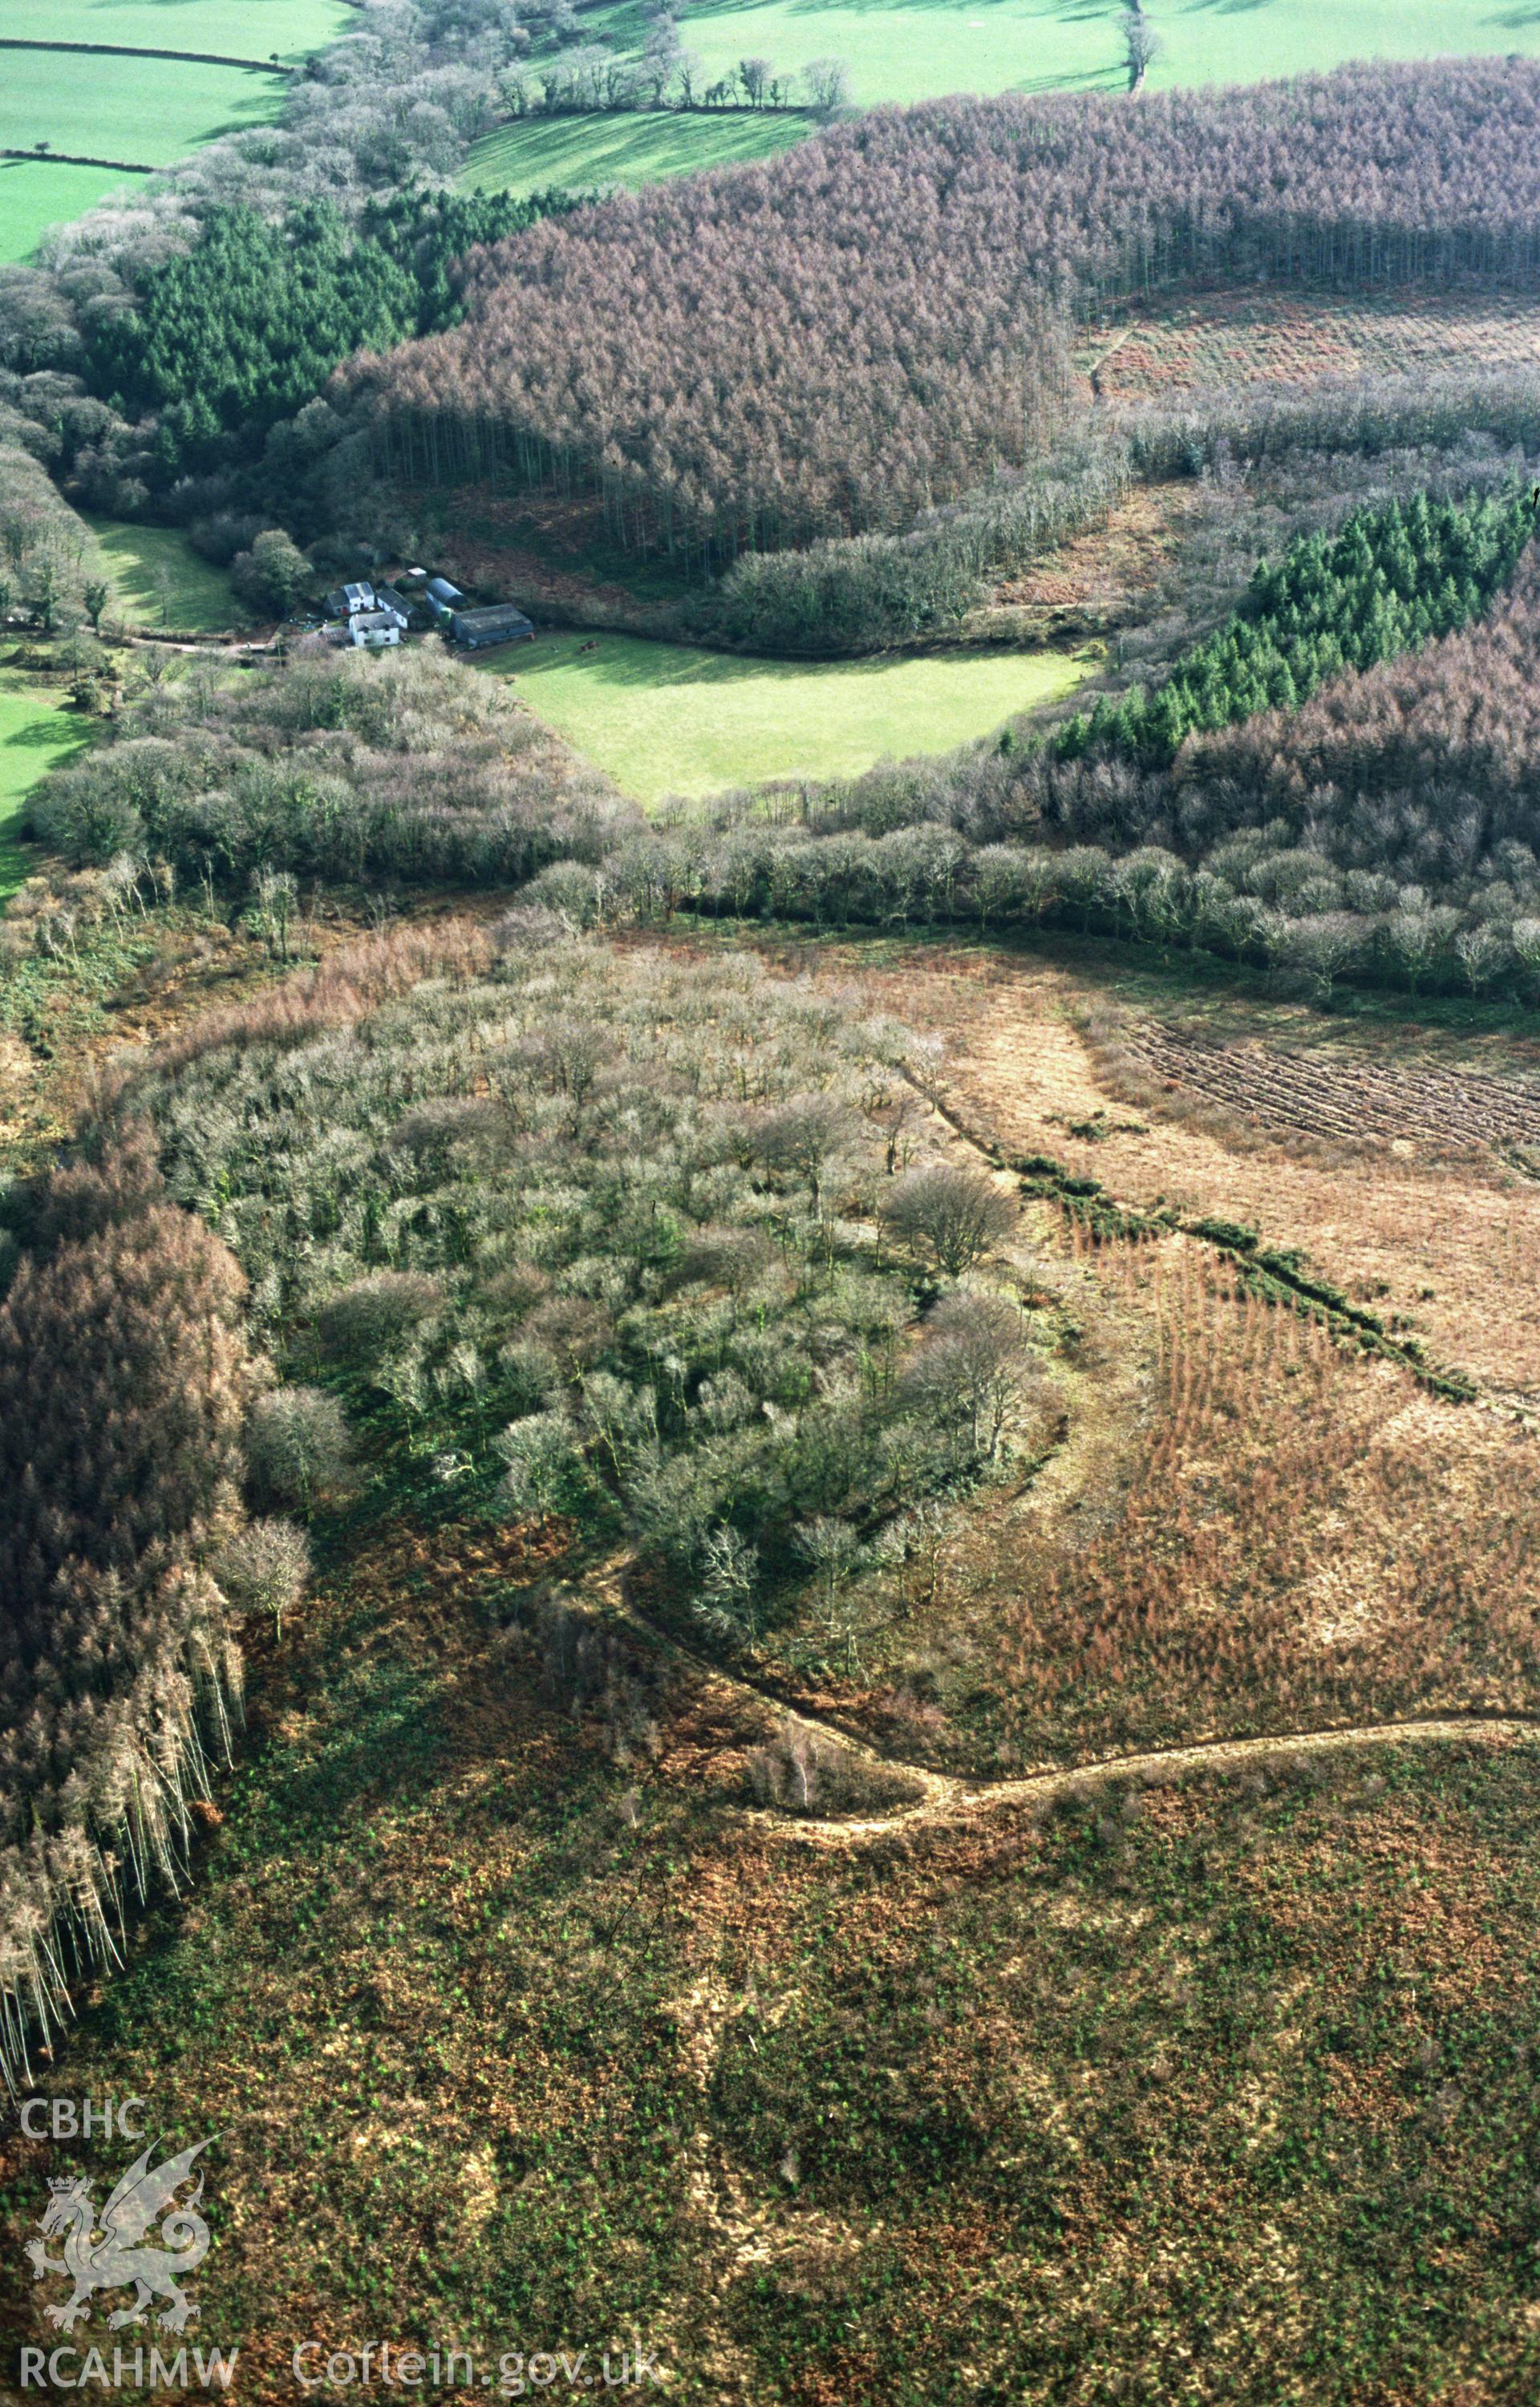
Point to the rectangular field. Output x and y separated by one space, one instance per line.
640 146
665 720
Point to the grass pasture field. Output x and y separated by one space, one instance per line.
639 148
236 28
149 111
140 110
665 718
913 50
39 194
159 580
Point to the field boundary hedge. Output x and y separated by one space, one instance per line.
1272 1275
79 159
135 51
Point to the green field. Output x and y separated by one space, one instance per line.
909 51
154 111
664 719
36 733
238 29
35 194
579 151
149 111
158 579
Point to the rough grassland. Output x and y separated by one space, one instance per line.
1041 1050
1214 2085
1219 2090
158 579
36 733
664 719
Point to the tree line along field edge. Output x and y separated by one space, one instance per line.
924 50
920 52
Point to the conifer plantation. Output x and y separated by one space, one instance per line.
877 321
125 1381
1392 580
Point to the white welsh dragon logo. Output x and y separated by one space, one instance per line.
104 2252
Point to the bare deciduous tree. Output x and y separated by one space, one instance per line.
949 1217
1141 44
827 82
971 1368
266 1568
297 1445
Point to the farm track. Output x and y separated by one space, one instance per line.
1345 1104
950 1800
946 1800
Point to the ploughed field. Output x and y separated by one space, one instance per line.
1343 1101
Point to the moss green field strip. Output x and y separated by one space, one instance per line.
36 735
631 149
663 719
